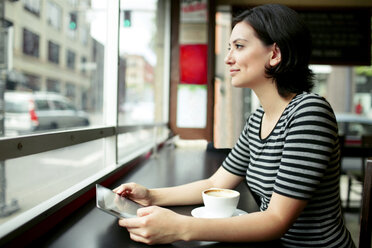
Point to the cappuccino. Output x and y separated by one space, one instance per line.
220 203
221 193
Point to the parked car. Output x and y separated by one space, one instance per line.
353 127
27 112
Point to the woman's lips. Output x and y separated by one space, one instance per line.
233 71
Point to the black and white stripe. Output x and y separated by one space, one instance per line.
299 159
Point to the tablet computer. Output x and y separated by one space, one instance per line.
114 204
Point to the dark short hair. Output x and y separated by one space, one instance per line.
275 23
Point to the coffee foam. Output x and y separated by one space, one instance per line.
220 193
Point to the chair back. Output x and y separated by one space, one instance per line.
367 140
366 215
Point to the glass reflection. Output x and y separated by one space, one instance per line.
34 179
59 55
141 48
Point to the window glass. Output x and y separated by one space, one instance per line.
54 15
30 43
70 59
32 6
51 173
83 64
70 91
69 106
143 87
14 106
33 82
42 90
59 105
84 34
53 52
42 105
53 85
47 50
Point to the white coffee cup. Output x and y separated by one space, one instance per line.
220 203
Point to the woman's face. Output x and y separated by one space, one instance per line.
247 57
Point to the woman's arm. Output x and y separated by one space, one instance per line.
254 227
157 225
187 194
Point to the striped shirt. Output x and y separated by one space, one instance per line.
298 159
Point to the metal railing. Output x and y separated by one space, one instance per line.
14 147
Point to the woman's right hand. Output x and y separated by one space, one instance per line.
135 192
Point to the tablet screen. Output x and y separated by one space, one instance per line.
115 204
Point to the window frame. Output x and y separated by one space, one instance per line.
15 147
35 50
54 50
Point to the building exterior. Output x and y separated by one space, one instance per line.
51 47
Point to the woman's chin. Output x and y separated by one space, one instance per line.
237 84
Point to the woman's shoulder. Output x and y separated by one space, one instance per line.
309 101
310 106
309 97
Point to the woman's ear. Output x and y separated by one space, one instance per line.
276 56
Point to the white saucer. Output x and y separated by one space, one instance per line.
201 212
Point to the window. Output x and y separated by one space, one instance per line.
142 87
54 15
87 103
84 34
32 6
70 90
30 43
42 105
14 106
70 59
53 52
58 105
83 65
53 85
33 82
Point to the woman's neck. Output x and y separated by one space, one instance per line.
272 103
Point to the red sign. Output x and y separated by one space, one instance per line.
193 64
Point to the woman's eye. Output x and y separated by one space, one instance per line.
238 46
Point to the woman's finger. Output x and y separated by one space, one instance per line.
145 211
124 188
139 238
131 222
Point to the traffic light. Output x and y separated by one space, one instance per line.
73 21
127 18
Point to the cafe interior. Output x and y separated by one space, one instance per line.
115 91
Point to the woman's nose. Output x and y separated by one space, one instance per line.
228 58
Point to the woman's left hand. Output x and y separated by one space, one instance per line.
154 225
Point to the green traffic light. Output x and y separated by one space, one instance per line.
72 25
127 23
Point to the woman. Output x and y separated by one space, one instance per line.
288 152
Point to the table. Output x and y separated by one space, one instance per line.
91 227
